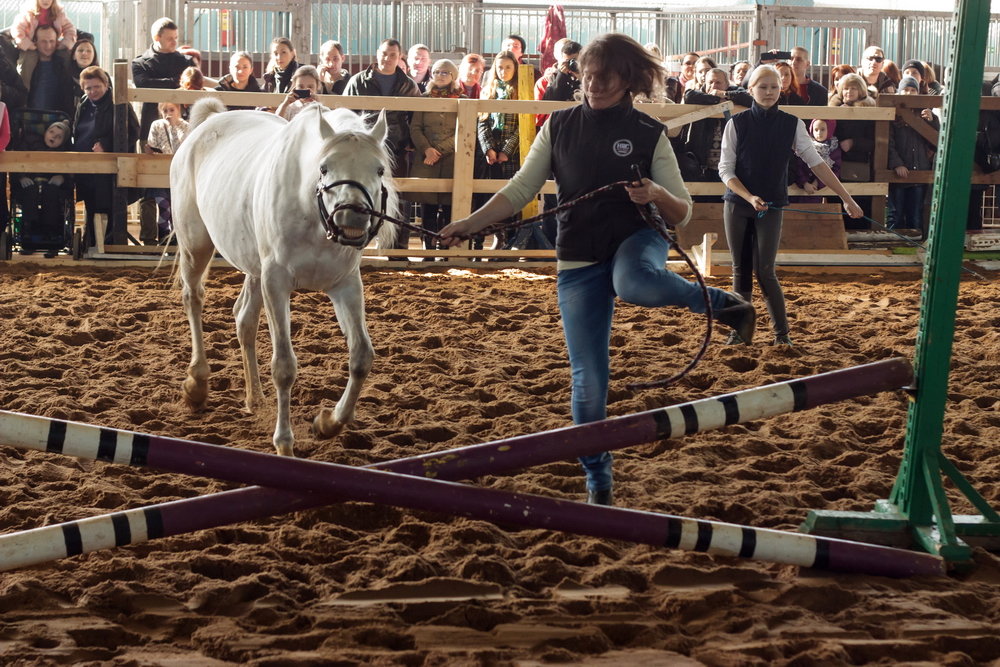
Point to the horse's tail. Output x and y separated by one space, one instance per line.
203 109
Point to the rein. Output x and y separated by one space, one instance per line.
648 213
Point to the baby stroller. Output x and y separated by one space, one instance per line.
43 215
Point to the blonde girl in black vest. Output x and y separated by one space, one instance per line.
756 147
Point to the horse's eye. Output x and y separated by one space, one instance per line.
322 170
381 171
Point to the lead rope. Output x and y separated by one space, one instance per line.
649 215
916 244
654 220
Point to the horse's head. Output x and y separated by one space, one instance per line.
354 167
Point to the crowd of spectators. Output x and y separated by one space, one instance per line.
46 64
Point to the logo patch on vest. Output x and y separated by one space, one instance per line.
622 148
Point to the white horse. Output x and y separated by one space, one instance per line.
259 190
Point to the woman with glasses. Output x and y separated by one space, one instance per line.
878 81
433 136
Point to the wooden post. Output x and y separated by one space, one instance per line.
119 202
465 159
526 125
880 158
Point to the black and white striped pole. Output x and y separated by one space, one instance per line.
298 484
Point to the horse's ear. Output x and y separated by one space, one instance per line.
325 131
381 128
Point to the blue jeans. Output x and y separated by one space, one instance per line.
637 274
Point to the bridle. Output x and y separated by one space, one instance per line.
375 217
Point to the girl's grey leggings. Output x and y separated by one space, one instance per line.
753 243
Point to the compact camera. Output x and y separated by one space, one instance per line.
778 55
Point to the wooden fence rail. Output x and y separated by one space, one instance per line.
146 171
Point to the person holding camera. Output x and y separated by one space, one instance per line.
303 89
605 247
560 82
813 93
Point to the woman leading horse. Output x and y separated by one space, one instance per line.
604 247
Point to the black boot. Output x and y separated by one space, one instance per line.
601 497
739 315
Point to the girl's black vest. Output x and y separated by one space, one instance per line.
591 148
764 141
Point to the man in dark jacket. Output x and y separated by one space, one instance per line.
813 93
51 86
386 78
159 67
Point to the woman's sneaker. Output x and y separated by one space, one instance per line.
739 315
735 339
782 339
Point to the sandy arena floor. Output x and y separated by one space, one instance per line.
465 358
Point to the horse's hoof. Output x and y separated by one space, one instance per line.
284 450
195 393
325 426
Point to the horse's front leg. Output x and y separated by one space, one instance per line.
349 305
277 290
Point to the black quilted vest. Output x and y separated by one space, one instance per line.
764 140
591 148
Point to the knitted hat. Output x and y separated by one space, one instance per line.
67 133
915 64
831 126
62 125
908 82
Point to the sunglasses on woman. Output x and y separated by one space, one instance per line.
877 59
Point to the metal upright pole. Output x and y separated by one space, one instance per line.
918 492
917 508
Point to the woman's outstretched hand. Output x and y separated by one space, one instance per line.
456 232
852 208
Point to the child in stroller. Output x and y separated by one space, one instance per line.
44 200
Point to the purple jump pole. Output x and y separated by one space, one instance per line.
219 509
331 482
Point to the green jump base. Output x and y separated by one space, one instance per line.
985 255
887 526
